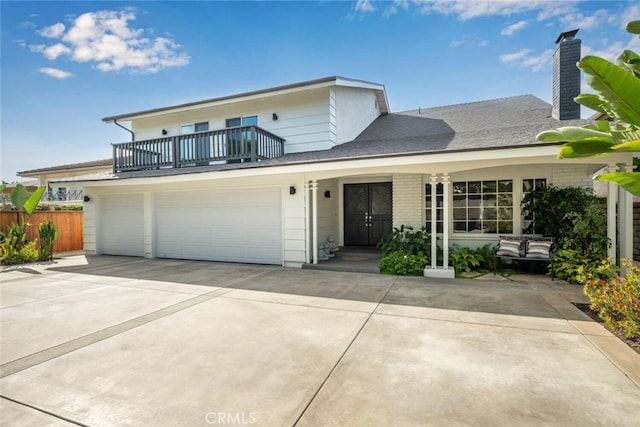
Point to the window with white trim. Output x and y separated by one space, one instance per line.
484 207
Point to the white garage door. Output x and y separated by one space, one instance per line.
234 225
122 224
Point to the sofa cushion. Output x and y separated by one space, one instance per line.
509 248
538 249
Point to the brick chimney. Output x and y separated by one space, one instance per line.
566 77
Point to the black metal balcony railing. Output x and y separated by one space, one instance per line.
231 145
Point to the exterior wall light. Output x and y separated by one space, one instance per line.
327 194
86 199
274 116
164 131
292 190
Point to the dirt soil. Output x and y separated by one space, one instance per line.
634 343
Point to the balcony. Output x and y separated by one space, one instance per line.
231 145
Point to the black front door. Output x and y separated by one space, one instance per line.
367 213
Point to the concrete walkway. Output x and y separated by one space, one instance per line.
112 341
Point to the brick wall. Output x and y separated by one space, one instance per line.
408 200
572 176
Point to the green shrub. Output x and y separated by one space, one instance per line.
10 255
403 264
617 301
464 259
551 208
407 241
578 221
48 234
485 256
577 267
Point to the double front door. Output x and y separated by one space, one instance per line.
367 213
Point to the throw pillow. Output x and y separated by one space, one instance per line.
509 248
538 249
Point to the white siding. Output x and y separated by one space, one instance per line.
89 227
328 208
303 119
293 220
316 119
355 110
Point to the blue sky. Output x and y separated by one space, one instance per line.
65 65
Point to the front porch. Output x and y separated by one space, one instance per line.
467 207
353 259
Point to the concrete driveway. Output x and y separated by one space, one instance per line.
112 341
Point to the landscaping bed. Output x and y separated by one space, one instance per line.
634 343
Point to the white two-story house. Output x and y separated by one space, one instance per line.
266 176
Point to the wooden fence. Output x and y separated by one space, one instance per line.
69 224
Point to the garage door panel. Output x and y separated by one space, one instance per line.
122 224
237 225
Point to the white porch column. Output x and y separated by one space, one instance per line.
314 218
307 219
434 222
612 193
445 221
625 218
434 271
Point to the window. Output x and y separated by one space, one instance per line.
483 207
239 142
439 207
529 185
241 121
194 147
196 127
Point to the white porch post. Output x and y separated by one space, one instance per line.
625 218
445 221
307 218
434 222
434 271
612 193
314 226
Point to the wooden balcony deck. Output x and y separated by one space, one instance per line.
230 145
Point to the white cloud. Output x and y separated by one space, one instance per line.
471 39
55 73
513 57
511 29
632 13
584 22
523 59
54 51
27 25
52 32
537 63
106 40
611 52
469 9
365 6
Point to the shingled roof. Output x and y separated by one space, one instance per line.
484 125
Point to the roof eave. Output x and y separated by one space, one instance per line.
294 87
